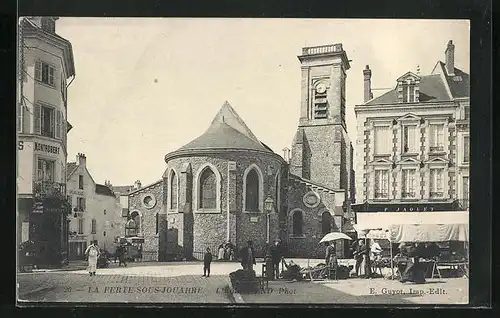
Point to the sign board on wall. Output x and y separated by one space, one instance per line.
254 219
75 192
46 148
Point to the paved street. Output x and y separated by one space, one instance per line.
178 282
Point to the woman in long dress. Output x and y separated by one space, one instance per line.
93 254
221 252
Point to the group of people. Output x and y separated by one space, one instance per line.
226 251
415 271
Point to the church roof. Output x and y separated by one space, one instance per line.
227 131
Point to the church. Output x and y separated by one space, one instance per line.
226 185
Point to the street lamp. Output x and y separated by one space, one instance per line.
268 206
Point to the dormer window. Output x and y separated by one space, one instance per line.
408 88
408 93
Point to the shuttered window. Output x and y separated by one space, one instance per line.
20 117
58 124
38 119
44 73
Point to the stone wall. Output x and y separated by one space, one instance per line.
308 245
210 228
148 226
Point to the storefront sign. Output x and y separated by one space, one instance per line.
75 192
408 207
46 148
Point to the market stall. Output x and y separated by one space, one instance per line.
417 227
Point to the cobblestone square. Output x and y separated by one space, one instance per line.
183 283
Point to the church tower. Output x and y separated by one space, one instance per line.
321 150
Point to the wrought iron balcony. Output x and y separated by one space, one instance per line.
49 189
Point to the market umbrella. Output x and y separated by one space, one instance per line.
333 236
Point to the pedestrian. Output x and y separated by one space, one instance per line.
277 256
248 256
358 255
92 253
221 251
207 259
229 247
121 255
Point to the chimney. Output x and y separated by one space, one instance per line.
367 74
108 184
137 184
450 58
81 159
286 154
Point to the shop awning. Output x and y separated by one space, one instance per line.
429 232
415 226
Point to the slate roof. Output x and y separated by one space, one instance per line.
432 88
104 190
459 83
227 131
122 189
70 168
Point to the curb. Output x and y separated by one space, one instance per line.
34 291
234 297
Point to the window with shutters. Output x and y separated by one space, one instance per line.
408 184
80 204
80 226
45 170
383 140
436 137
94 226
409 139
20 116
381 184
48 121
436 183
44 73
466 148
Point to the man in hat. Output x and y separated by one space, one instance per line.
248 256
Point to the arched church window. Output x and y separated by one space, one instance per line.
208 190
173 190
252 191
326 222
136 217
297 223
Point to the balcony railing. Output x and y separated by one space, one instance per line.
322 49
49 189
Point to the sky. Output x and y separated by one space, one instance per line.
146 86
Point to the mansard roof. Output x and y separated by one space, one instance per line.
436 87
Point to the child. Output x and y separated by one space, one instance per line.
207 259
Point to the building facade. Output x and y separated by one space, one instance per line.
412 148
95 213
321 166
46 69
226 185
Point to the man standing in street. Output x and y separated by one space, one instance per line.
248 257
207 260
276 256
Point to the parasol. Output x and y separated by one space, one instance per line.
333 236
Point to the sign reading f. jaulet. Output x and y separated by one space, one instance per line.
46 148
